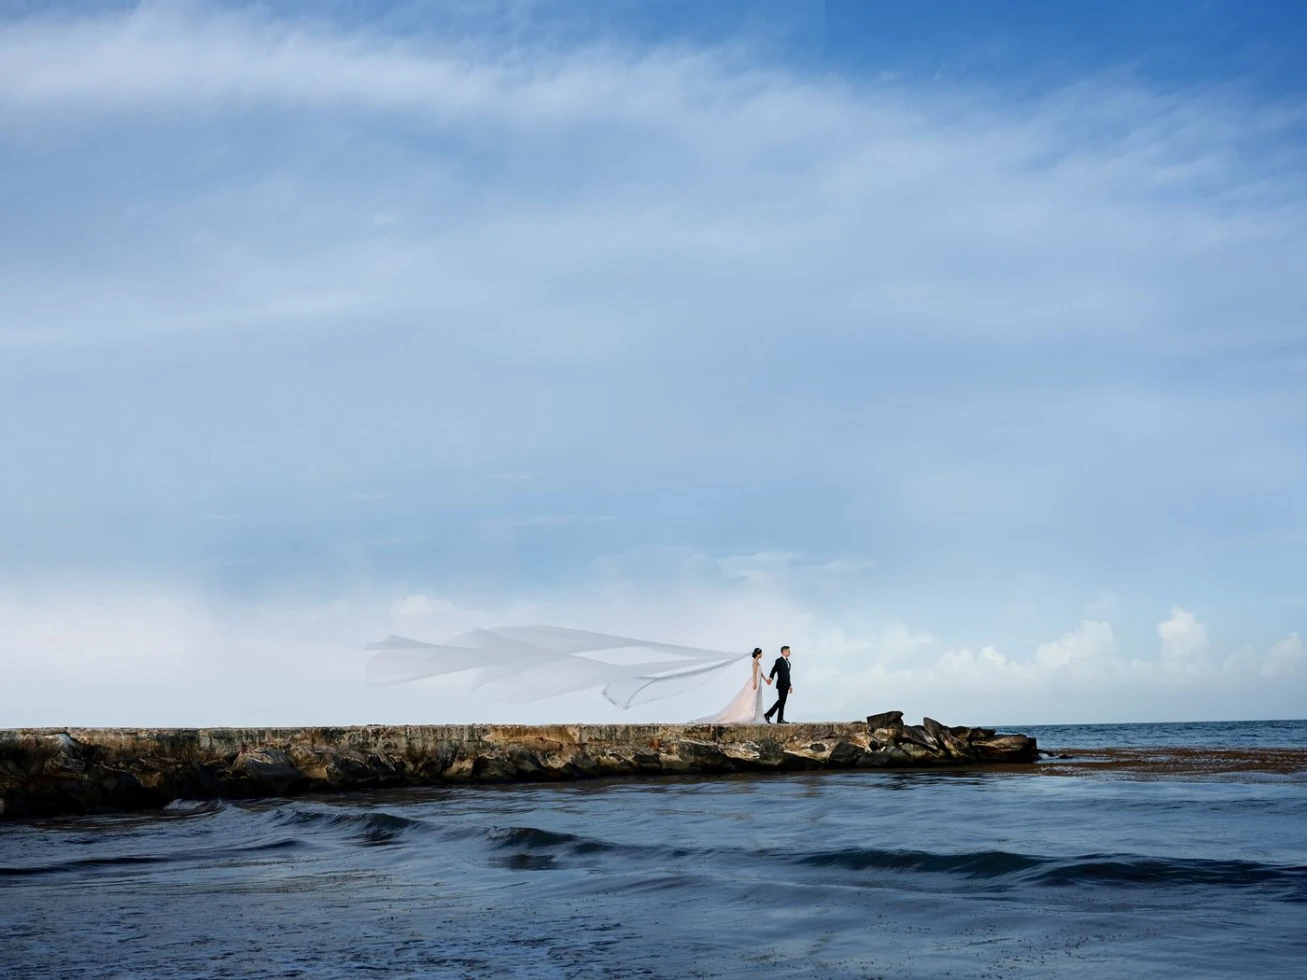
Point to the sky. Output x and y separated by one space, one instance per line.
961 347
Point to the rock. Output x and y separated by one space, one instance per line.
918 735
48 771
270 766
935 730
845 753
956 747
886 719
1006 748
919 755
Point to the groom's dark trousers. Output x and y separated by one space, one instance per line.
779 706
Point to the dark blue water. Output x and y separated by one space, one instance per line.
1225 734
992 874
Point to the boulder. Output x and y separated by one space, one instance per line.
886 719
918 735
1006 748
956 748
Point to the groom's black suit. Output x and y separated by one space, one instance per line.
780 673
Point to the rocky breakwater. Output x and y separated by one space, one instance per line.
54 771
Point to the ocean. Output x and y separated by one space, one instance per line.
1108 863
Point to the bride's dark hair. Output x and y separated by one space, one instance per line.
757 652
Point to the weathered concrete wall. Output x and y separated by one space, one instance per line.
50 771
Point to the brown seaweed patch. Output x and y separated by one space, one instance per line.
1169 762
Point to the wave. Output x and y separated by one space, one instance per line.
1155 871
130 860
533 838
534 848
1085 869
180 809
529 848
978 864
375 827
292 828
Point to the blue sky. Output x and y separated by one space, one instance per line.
961 346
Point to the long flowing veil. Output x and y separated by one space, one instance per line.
528 663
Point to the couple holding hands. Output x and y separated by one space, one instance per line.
746 707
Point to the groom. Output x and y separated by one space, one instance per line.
780 672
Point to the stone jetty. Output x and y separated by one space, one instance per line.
87 770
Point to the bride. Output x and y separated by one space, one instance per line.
746 707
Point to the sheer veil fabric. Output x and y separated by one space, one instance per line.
528 663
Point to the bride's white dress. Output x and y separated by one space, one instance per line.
746 707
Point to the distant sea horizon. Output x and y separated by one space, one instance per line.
1271 733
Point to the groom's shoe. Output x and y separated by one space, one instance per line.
781 721
767 719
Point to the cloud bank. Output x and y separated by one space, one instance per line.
134 657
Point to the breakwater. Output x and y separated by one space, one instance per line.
79 770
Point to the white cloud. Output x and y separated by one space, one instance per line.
1089 645
1286 658
1184 642
964 666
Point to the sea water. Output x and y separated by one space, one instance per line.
843 874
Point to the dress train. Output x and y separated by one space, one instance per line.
746 707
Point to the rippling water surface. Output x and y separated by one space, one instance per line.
982 874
